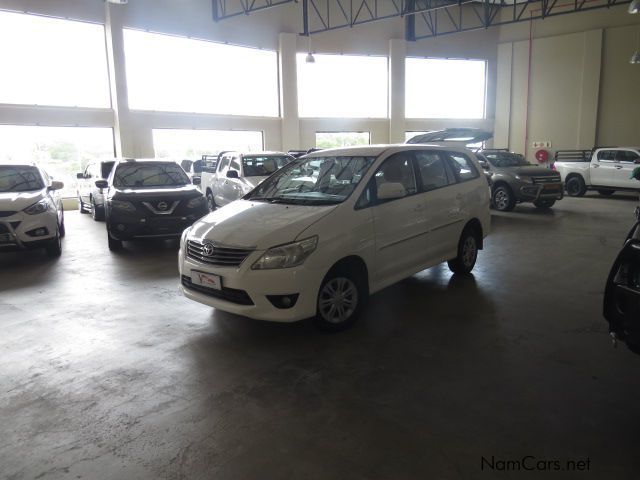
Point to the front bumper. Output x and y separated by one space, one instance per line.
17 231
531 192
242 283
133 226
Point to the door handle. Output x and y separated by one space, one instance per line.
618 167
418 207
595 165
459 196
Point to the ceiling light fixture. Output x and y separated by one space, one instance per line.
634 7
309 58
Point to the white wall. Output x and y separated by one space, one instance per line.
582 91
193 18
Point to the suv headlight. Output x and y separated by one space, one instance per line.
122 205
524 179
286 256
40 207
197 202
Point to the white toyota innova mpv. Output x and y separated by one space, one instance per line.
321 234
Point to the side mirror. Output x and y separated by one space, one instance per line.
196 180
637 161
102 184
390 191
80 176
232 174
483 164
55 185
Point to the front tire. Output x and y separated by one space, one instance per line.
211 202
114 244
467 252
544 203
576 187
503 199
96 213
54 247
81 206
341 298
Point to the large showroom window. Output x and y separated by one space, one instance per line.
444 88
48 61
61 151
342 86
342 139
176 74
192 144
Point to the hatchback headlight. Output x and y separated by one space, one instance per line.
40 207
197 202
122 205
286 256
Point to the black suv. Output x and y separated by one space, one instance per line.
149 199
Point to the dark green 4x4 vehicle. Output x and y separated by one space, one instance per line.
514 180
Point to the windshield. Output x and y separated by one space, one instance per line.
506 159
147 175
313 181
20 179
262 166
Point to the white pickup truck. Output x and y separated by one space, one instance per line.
604 169
238 173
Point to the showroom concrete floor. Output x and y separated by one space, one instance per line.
107 372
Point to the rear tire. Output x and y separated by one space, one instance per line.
576 187
503 199
467 252
341 298
606 192
61 228
114 244
544 203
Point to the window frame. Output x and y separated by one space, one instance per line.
472 165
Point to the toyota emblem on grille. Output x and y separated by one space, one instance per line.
162 206
207 249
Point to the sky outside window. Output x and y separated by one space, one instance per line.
443 88
176 74
345 86
48 61
192 144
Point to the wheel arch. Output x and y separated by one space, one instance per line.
352 263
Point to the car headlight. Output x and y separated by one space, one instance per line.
524 179
40 207
286 256
122 205
197 202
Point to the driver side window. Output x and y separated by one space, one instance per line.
224 164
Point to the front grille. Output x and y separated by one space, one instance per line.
3 228
232 295
546 179
7 214
222 256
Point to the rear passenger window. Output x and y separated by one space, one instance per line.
462 166
431 171
608 155
397 169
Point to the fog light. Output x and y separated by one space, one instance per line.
38 232
121 227
283 301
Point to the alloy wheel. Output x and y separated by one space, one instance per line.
469 251
501 200
338 300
